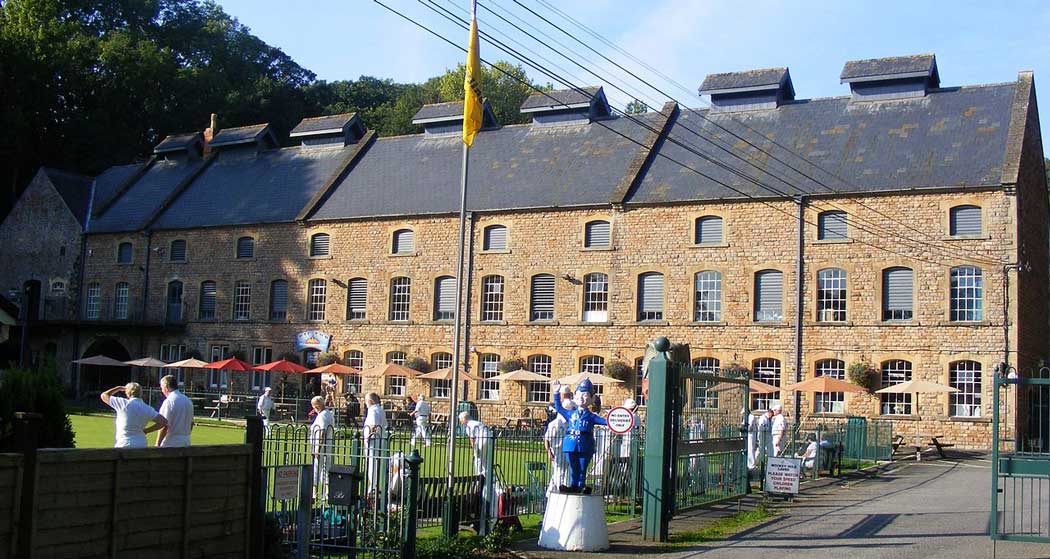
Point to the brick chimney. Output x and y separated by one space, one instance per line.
210 133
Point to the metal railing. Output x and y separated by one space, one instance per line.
1020 503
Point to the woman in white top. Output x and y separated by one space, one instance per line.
321 435
132 416
375 428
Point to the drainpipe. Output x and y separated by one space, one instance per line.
145 292
468 281
800 271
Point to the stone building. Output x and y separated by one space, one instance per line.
903 225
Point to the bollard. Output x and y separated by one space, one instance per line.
253 435
408 522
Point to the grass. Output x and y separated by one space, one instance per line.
97 431
723 527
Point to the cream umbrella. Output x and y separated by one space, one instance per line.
521 375
446 374
917 387
147 362
101 361
595 378
389 369
190 363
754 387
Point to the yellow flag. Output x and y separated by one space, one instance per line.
472 107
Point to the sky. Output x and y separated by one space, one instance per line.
976 42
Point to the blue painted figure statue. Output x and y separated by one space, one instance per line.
578 444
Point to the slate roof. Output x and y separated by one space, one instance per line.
177 142
322 124
560 98
239 135
245 187
142 198
74 189
902 66
951 138
769 78
517 166
449 110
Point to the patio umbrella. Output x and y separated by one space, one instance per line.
231 364
917 387
334 369
147 362
446 374
595 378
282 366
521 375
389 369
754 387
824 384
101 361
190 363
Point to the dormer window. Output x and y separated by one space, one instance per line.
447 118
567 106
899 77
749 90
331 130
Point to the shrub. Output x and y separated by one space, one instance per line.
864 375
619 370
418 364
22 390
327 358
511 364
449 548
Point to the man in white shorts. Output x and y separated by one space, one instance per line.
132 415
421 415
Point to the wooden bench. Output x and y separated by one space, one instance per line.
466 496
940 446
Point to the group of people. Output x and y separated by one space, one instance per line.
136 419
765 434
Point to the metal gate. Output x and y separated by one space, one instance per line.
1021 470
696 448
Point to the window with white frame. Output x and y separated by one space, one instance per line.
708 230
445 298
966 377
120 301
967 293
441 360
830 402
832 226
397 357
317 295
542 297
404 241
597 234
489 368
769 296
441 388
703 397
539 391
639 394
242 301
596 297
278 300
177 251
492 298
897 293
170 353
964 221
895 371
831 295
356 299
650 296
58 287
495 238
354 359
767 370
396 385
93 301
219 378
708 296
320 244
206 306
261 356
593 365
124 253
400 298
245 247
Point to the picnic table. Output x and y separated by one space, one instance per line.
918 445
523 422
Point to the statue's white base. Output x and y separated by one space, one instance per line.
574 523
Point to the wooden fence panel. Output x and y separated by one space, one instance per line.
10 501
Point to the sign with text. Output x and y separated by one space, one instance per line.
782 475
620 420
285 483
312 339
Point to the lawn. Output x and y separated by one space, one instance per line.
96 431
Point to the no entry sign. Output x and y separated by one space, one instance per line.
620 420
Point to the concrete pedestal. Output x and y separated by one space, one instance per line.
574 523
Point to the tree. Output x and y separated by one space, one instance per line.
636 107
23 390
504 90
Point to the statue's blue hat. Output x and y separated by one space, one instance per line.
585 386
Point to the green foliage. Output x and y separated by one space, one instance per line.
511 364
23 390
636 107
418 364
450 548
864 375
619 370
504 89
327 358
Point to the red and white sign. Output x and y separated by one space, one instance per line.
620 420
285 483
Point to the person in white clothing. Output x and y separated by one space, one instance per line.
374 433
177 409
321 437
480 439
421 415
552 439
765 444
132 415
752 440
265 407
778 428
809 457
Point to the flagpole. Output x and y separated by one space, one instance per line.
457 323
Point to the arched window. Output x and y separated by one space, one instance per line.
650 296
964 221
595 365
177 251
830 402
702 397
93 301
404 242
897 293
967 294
396 357
492 291
489 389
769 296
206 305
895 371
767 370
355 359
356 299
246 247
708 230
174 308
445 298
495 238
317 297
441 388
278 300
832 226
966 377
120 301
320 244
597 234
831 295
124 253
596 297
542 297
539 391
708 296
400 298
